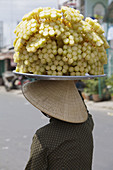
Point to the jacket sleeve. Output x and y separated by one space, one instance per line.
38 156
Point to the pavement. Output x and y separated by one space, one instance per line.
102 105
90 104
13 91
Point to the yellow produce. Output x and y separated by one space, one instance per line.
59 42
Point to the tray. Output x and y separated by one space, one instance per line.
49 77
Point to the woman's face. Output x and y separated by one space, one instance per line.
46 115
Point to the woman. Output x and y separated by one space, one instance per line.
66 142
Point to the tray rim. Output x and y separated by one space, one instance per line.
51 77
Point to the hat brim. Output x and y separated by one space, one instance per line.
58 99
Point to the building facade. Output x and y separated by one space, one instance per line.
93 7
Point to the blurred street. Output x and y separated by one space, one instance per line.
19 120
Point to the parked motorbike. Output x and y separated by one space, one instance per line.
12 81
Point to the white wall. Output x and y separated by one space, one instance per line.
109 1
8 33
12 11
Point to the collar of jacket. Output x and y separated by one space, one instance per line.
52 119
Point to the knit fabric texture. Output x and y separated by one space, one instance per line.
62 146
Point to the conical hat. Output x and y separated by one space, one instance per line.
58 99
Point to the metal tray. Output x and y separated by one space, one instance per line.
49 77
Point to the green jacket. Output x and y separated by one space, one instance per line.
62 146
